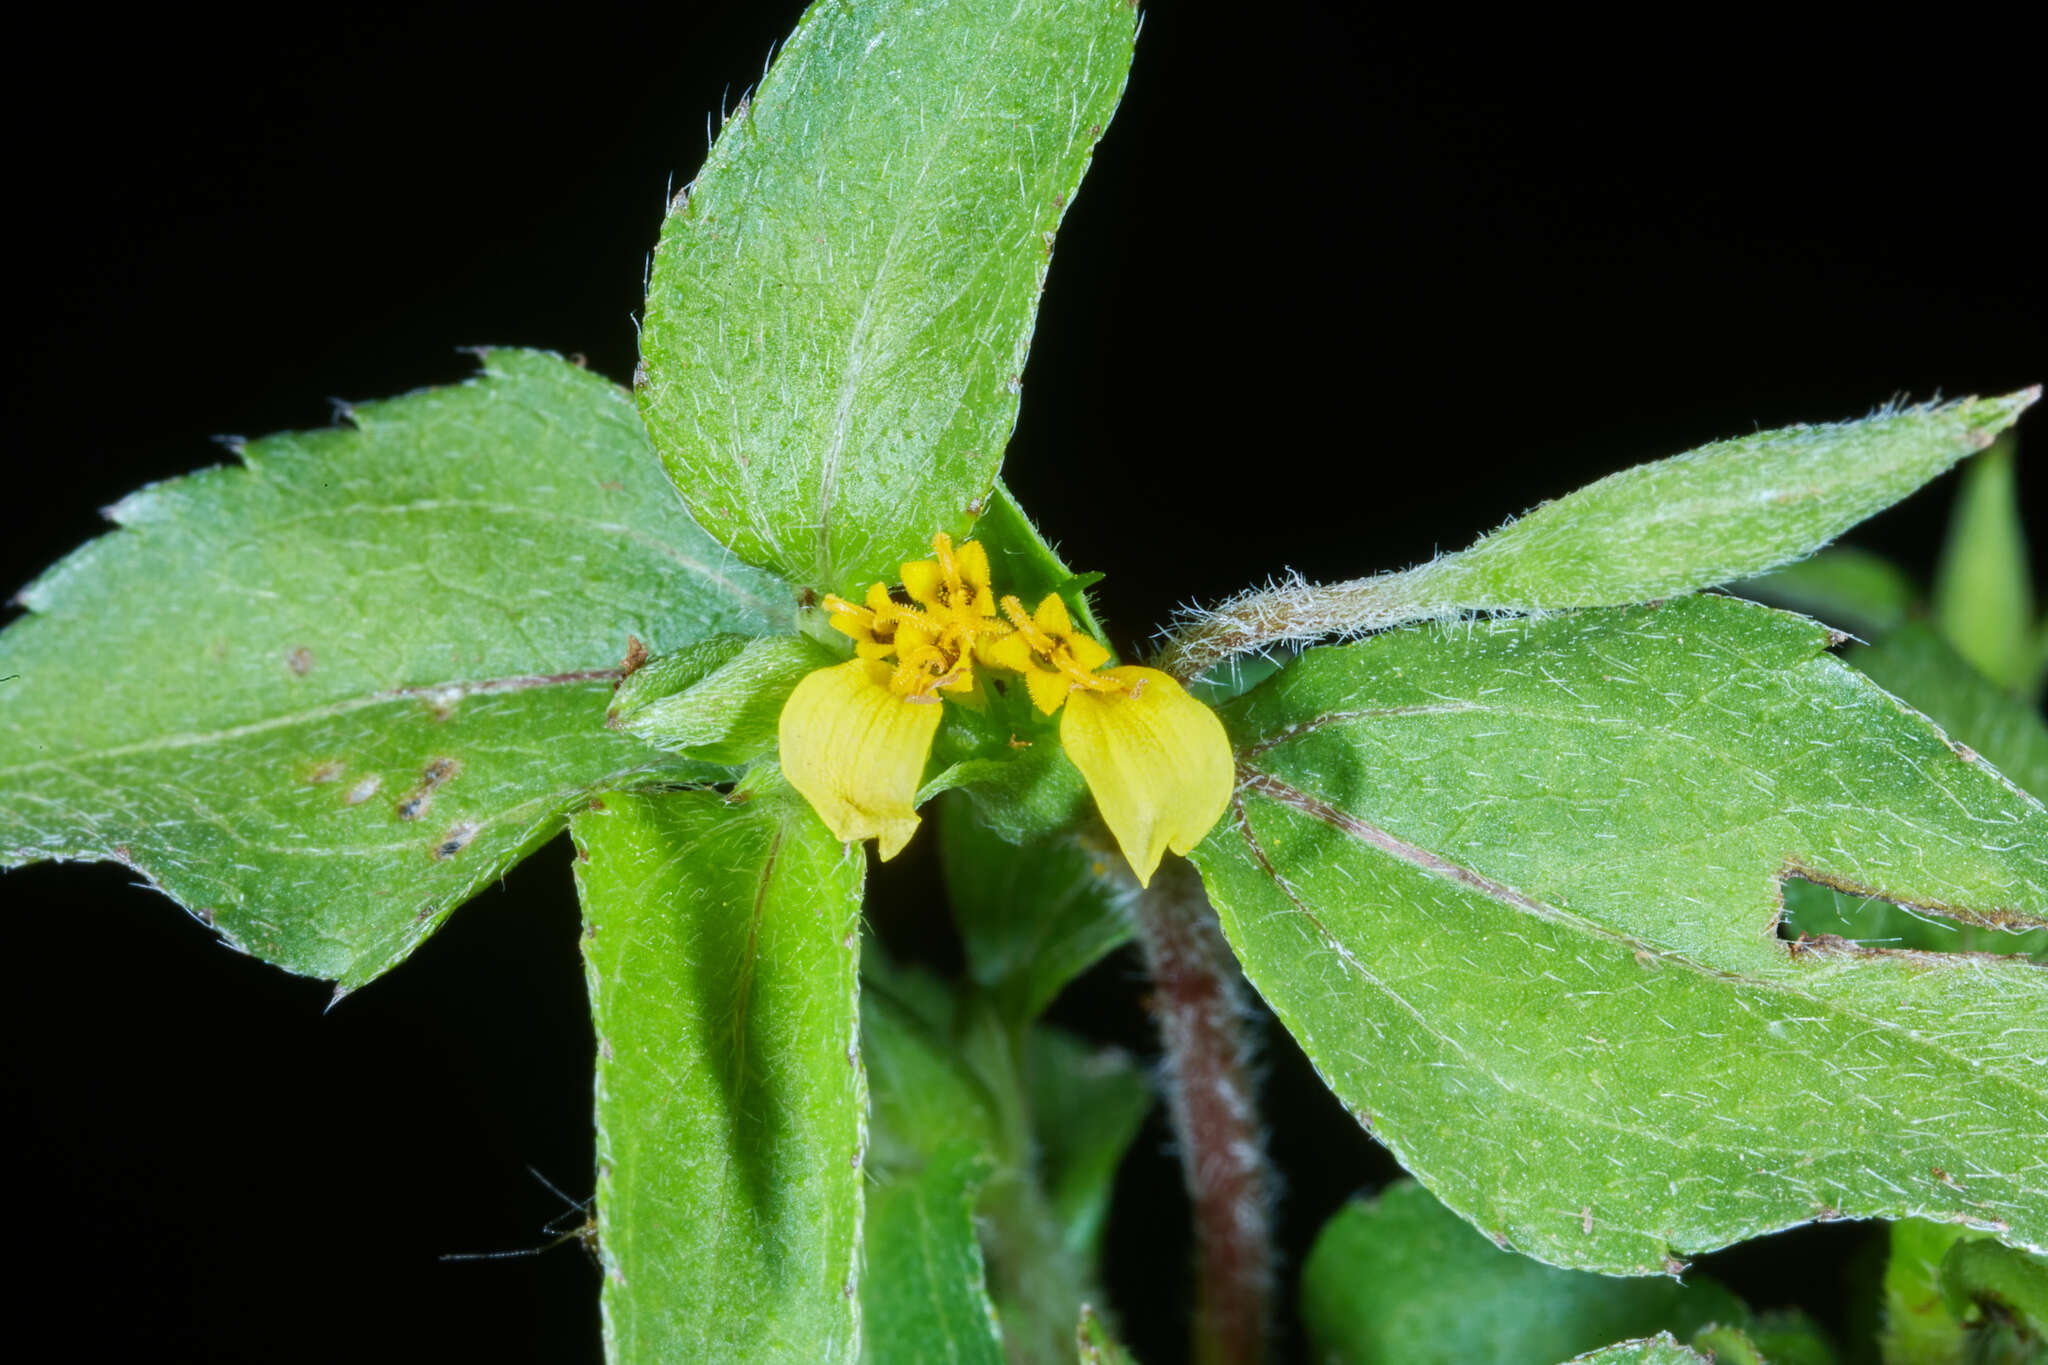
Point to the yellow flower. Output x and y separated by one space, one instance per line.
1054 658
872 628
856 736
855 747
956 584
1156 759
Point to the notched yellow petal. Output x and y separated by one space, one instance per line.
856 751
1156 759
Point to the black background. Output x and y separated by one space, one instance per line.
1344 288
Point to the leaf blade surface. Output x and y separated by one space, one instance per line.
323 698
841 304
1515 888
721 950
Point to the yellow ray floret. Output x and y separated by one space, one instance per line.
856 748
1156 760
1054 658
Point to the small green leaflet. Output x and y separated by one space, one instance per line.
324 697
721 941
1514 888
842 301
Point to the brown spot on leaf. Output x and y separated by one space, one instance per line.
1939 1174
635 660
454 841
300 661
433 777
330 771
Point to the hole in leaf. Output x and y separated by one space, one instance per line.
1816 911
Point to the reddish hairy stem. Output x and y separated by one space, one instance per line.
1198 1000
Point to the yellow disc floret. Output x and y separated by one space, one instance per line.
1054 658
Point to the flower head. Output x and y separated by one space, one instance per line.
856 736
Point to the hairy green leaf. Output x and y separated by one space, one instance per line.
1657 1350
1723 512
1405 1281
842 301
1917 666
1032 917
1983 590
721 942
1514 888
322 698
719 700
924 1297
1023 564
1920 668
1850 589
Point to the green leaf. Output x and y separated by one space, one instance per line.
1918 1327
1994 1283
720 944
1726 511
1513 887
1023 564
1405 1281
323 698
1983 590
1787 1337
1917 666
1657 1350
719 700
1722 513
1096 1345
925 1298
924 1096
1087 1105
1032 917
1850 589
841 303
1725 1345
